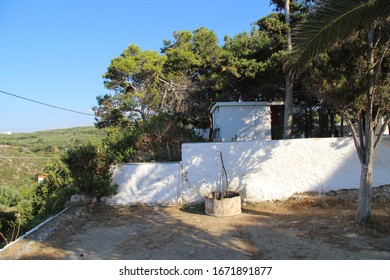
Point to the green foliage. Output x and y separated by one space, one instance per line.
158 139
90 169
251 65
9 197
51 195
7 220
334 20
144 83
59 138
365 78
110 112
192 54
295 5
15 211
23 202
134 78
120 143
193 61
161 139
25 157
338 77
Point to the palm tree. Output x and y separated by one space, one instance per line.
332 21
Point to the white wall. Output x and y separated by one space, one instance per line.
149 183
269 170
243 123
259 170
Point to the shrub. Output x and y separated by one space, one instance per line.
9 197
51 195
15 212
25 209
161 139
157 139
90 167
7 219
120 144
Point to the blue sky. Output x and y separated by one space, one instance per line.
55 51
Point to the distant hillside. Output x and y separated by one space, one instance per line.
22 155
59 138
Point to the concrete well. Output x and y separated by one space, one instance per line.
223 204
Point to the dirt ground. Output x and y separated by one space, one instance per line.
306 226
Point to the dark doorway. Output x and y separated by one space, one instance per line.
277 116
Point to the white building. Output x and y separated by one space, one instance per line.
6 132
246 121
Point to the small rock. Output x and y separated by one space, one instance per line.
351 235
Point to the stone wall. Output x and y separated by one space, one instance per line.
269 170
259 170
149 183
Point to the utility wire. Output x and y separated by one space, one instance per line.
45 104
25 157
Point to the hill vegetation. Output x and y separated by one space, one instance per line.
51 140
23 156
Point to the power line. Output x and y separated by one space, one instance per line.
25 157
45 104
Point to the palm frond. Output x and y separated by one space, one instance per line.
332 21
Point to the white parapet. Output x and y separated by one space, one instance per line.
270 170
148 183
258 170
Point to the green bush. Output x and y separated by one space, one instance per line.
7 219
163 136
90 168
158 139
25 209
120 144
9 197
51 195
12 205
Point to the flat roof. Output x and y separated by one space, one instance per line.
251 103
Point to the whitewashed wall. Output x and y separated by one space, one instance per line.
259 170
268 170
149 183
242 121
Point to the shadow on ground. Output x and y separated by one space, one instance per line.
304 227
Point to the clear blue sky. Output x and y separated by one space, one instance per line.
55 51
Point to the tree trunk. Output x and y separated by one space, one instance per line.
306 122
288 102
332 125
367 132
211 128
365 193
287 127
169 152
323 123
311 124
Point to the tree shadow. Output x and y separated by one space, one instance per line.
170 233
276 169
148 183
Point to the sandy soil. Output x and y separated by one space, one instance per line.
307 226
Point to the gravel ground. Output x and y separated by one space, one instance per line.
306 226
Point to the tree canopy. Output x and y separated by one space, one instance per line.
359 87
